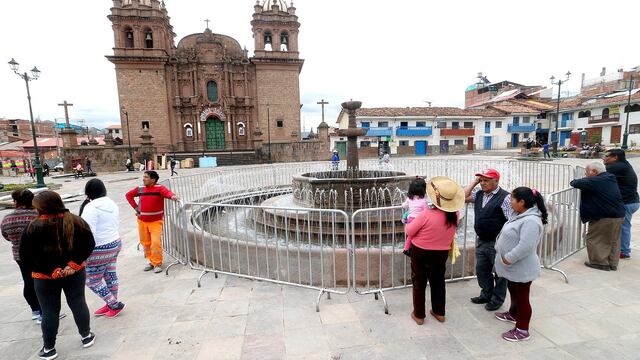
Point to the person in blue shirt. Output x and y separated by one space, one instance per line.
545 150
335 160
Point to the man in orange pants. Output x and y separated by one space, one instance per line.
150 211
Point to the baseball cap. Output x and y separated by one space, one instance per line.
490 173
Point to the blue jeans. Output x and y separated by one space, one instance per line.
625 235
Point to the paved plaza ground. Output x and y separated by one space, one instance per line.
596 315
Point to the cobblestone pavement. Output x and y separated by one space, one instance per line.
596 315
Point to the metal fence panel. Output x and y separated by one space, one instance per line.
563 233
379 265
291 246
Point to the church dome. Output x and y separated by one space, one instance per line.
266 6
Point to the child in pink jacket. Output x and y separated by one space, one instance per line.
413 205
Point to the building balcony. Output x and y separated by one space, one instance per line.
599 119
566 124
379 131
521 128
414 131
457 131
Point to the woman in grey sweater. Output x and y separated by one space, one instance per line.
517 260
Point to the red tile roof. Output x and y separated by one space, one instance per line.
427 111
51 142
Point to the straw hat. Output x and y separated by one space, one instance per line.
445 194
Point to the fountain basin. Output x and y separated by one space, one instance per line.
350 190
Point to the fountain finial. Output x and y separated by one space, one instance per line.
352 133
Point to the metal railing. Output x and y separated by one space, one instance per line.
379 265
307 248
563 233
224 226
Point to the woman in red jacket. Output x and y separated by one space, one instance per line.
432 232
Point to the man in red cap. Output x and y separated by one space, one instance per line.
492 209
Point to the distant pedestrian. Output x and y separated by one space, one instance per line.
128 164
79 172
602 208
45 169
335 160
172 164
545 150
150 212
88 165
102 215
13 225
55 247
616 163
517 260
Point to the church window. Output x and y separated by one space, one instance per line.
126 2
212 91
145 125
128 37
240 129
268 39
280 123
188 130
284 41
148 39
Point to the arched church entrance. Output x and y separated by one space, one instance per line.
214 130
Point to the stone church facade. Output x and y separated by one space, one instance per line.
206 93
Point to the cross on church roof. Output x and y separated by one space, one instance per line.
207 21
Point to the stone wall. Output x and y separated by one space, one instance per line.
296 151
105 159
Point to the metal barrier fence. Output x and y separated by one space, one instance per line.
379 265
215 230
546 177
291 246
563 232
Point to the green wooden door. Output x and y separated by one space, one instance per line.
341 146
214 134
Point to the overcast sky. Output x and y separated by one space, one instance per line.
381 52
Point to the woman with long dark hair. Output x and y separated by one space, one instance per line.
55 246
102 215
517 260
13 225
432 232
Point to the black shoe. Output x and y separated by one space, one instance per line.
613 268
479 300
47 355
597 266
89 340
492 306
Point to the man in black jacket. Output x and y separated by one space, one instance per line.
617 164
492 208
601 207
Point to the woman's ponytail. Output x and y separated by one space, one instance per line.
541 206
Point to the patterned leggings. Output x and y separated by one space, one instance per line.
101 271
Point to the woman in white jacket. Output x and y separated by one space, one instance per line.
517 260
102 215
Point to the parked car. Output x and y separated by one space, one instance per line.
59 167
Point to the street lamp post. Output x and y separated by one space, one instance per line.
559 83
35 74
269 132
625 137
126 116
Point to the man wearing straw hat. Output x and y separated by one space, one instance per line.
492 209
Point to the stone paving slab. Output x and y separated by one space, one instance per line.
595 315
